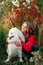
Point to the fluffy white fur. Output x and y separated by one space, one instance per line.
13 36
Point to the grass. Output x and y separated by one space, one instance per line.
14 60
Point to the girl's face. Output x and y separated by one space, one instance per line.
25 29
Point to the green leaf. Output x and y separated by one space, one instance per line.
40 1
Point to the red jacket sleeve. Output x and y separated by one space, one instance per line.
27 47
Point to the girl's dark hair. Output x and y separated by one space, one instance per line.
32 31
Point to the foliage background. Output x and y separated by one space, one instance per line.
14 16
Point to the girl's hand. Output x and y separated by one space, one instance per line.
17 44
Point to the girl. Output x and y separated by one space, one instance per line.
30 44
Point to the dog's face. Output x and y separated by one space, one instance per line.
12 36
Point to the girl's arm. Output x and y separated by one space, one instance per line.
27 47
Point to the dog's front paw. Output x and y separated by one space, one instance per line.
6 60
21 60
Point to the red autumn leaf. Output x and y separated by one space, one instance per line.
18 10
39 18
17 20
33 9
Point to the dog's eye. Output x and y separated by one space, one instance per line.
11 33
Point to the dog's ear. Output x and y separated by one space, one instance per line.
7 36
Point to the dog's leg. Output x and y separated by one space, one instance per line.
9 52
8 58
20 55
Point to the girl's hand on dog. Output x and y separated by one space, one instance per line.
17 44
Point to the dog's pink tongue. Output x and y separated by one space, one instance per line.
9 42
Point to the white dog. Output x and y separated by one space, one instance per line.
13 36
